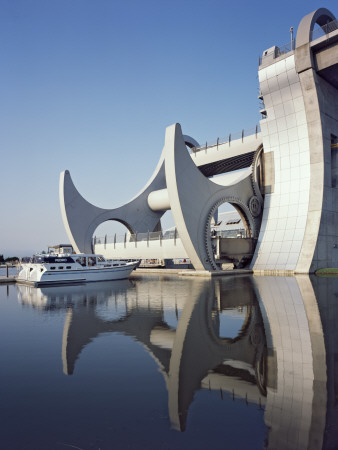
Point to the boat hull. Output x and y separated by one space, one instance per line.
76 276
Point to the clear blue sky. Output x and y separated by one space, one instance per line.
90 86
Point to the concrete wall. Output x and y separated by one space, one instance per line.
299 232
285 135
323 125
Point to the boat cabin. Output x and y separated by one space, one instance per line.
60 249
89 260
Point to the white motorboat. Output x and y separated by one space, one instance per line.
72 268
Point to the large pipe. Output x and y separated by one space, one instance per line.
159 200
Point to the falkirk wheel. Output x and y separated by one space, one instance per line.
286 192
182 182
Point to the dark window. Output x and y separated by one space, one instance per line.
81 260
51 259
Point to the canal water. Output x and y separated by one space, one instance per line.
166 362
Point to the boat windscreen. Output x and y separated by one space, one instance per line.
26 259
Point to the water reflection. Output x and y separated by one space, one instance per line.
296 394
281 355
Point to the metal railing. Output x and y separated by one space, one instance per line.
290 46
160 236
286 48
237 233
225 140
279 51
325 29
137 237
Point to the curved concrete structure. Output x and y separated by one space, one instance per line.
287 196
177 184
194 199
81 218
299 232
321 16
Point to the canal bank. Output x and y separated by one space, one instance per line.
10 279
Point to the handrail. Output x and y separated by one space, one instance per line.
278 51
231 137
290 46
137 237
159 236
325 29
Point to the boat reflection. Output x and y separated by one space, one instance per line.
282 357
50 298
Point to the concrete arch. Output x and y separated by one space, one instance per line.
245 214
193 199
116 219
320 16
190 142
242 209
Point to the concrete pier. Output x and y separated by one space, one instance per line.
7 280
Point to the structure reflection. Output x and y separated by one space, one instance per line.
201 358
296 388
283 357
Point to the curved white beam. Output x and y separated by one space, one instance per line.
81 218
